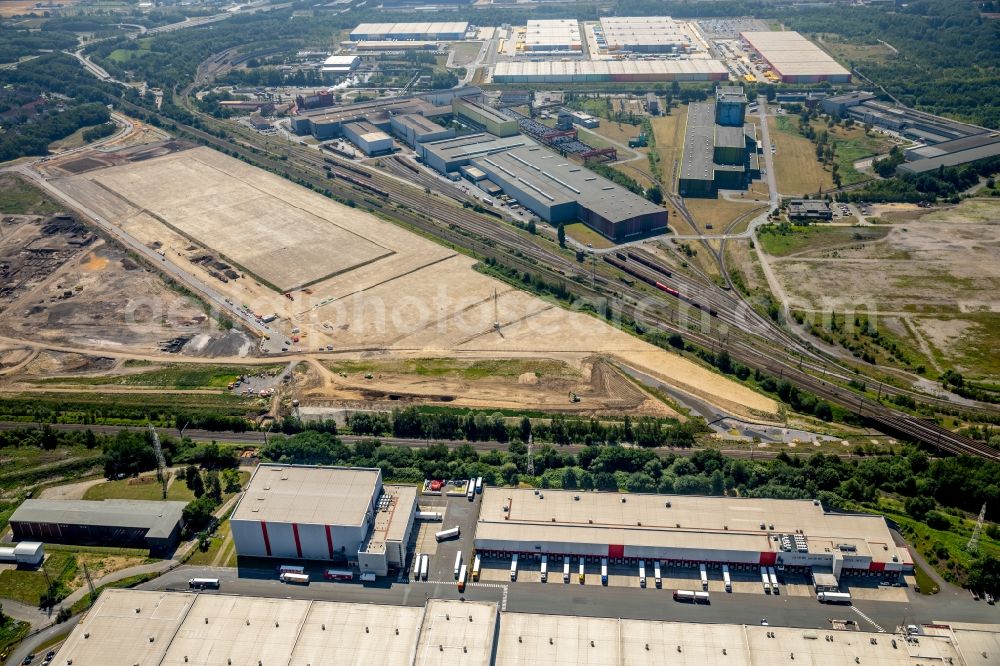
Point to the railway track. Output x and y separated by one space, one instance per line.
465 228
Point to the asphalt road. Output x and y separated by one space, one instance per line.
592 601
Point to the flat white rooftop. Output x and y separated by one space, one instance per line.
128 627
691 521
792 54
308 495
390 30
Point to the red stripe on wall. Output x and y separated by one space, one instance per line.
267 542
329 541
298 544
768 559
616 550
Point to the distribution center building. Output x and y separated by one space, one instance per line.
110 522
380 32
684 530
794 58
324 513
128 627
644 34
596 71
553 35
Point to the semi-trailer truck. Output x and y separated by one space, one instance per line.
834 597
604 571
513 567
295 578
583 573
765 580
656 574
461 579
773 577
726 579
545 568
565 569
704 577
642 573
424 564
447 534
475 567
458 563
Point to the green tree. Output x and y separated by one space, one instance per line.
192 477
561 233
213 488
231 480
655 194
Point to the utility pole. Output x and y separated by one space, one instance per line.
90 583
973 545
161 463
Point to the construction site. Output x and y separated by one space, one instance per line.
387 291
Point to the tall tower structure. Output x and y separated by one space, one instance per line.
730 106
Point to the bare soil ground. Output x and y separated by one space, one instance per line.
537 383
935 278
417 299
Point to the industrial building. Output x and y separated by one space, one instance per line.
401 32
597 71
329 123
548 184
551 35
24 554
794 58
127 627
561 191
685 530
340 64
135 523
951 153
324 513
488 118
368 138
413 128
452 154
941 141
720 147
809 209
642 34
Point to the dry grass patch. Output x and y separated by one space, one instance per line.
669 134
795 166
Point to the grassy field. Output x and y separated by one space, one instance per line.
798 239
719 212
669 134
74 140
795 166
129 489
19 198
173 376
220 550
465 52
581 233
11 632
442 367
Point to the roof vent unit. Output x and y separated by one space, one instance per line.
668 505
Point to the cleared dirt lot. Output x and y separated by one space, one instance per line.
414 298
255 219
933 281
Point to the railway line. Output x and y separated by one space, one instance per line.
752 345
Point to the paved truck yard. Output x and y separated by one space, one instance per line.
136 627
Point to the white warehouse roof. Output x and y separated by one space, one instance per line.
309 495
391 30
791 54
127 627
690 521
617 69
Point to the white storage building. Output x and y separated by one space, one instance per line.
684 529
587 71
26 553
323 513
553 35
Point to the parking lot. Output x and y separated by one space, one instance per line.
457 512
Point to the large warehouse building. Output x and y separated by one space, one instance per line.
136 523
794 58
596 71
550 35
684 530
324 513
128 627
720 147
402 32
642 34
551 186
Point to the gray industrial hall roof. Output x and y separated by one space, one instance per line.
956 145
308 494
474 145
699 142
553 179
730 137
419 123
951 159
730 94
159 518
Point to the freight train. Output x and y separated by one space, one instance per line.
645 277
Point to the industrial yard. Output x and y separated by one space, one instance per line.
362 307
